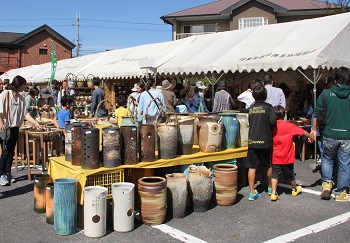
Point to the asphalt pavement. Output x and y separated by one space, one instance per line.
305 218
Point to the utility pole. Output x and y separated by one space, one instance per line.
78 37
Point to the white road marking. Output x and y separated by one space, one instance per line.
318 193
177 234
312 229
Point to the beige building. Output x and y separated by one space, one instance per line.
227 15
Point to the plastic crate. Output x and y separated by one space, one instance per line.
105 179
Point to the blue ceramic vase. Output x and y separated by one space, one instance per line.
65 206
231 130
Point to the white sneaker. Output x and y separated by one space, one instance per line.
4 181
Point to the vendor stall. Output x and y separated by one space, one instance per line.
59 168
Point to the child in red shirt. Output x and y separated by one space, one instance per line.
283 155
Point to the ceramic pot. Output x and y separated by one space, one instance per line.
225 182
200 187
177 194
147 142
123 206
65 206
153 194
90 153
210 137
243 131
185 135
195 124
231 130
111 147
95 211
167 141
40 182
49 203
129 144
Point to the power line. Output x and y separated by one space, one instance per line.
123 22
122 28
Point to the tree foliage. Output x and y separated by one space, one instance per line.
337 6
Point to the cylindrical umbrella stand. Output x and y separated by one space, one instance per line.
123 206
65 206
95 211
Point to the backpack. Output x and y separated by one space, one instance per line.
322 114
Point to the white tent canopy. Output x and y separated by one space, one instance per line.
314 43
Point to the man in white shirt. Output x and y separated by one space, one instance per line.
63 93
275 96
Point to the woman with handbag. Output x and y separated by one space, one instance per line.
12 114
194 102
145 101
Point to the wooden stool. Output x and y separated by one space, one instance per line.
35 152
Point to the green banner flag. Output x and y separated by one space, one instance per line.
53 63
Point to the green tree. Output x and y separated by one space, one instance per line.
337 6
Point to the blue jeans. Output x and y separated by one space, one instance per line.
336 150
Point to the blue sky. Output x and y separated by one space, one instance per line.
105 24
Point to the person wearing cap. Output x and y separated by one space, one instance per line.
222 100
169 96
201 87
132 99
46 102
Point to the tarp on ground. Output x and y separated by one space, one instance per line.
320 42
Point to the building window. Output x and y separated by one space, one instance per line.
245 23
199 28
43 51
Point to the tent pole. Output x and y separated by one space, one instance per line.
315 101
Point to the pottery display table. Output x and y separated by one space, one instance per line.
59 168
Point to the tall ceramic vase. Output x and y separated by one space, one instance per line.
177 194
244 129
200 187
147 142
210 137
185 135
225 182
49 203
231 130
40 182
167 140
65 206
153 193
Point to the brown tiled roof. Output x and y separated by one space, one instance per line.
219 6
9 37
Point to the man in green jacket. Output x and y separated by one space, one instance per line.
336 135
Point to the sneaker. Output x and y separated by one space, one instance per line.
274 196
10 178
269 191
342 197
254 196
297 191
4 181
326 190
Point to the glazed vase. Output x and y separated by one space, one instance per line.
65 206
111 147
129 145
231 130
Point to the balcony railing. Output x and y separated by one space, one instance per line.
185 35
